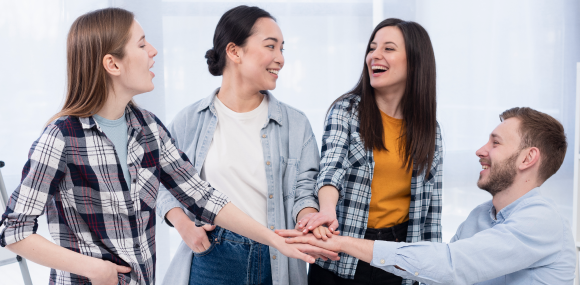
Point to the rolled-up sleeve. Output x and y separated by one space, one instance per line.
183 182
335 144
42 173
306 180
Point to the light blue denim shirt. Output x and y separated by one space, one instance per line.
526 243
290 147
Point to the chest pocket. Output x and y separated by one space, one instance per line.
289 178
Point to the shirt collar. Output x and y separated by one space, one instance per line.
274 109
90 122
507 210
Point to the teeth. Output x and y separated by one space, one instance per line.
375 67
273 71
484 166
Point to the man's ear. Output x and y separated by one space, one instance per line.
531 158
233 52
111 65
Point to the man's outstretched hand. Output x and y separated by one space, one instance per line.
297 237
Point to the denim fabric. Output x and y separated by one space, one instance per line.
231 259
290 147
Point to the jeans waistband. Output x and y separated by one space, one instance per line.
394 233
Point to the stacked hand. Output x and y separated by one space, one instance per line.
321 224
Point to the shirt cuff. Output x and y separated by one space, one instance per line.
384 253
303 205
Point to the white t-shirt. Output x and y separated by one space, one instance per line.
235 160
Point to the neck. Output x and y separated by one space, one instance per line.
115 105
237 95
512 193
389 101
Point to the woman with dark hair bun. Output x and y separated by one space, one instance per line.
381 165
257 150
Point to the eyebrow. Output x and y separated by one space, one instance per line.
272 39
142 37
494 135
385 43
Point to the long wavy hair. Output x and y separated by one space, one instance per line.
91 37
419 100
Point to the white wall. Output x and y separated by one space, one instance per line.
491 55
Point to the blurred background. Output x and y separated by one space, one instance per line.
491 56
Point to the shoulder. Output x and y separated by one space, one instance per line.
293 113
539 209
346 103
188 112
65 126
482 209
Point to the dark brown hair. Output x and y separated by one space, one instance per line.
419 102
91 37
235 26
540 130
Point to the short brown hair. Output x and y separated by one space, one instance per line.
540 130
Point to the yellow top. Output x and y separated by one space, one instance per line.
391 185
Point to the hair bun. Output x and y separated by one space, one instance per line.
212 61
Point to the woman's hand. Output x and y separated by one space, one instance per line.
195 237
107 273
314 221
294 237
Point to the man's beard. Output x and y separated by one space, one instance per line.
501 176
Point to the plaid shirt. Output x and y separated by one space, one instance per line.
73 171
348 166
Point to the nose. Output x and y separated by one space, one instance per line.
152 52
280 59
482 152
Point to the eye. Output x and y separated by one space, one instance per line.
371 50
270 46
389 49
281 50
495 143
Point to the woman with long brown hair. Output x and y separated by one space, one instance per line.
381 165
97 168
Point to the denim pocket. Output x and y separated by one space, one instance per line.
212 242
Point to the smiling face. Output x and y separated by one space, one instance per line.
387 59
499 157
261 57
135 75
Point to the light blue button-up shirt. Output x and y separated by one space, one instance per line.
527 242
288 144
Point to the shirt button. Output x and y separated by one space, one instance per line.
382 261
416 273
271 227
264 136
271 196
267 162
273 257
134 180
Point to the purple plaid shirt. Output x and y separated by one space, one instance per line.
75 174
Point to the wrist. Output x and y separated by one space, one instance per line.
178 218
94 268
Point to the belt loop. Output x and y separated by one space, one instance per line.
219 233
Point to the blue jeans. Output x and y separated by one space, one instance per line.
231 259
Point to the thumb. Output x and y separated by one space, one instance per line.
123 269
333 226
208 228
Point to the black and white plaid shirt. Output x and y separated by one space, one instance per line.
73 171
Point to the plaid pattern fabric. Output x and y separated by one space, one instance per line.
74 173
348 166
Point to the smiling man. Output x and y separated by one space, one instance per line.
516 238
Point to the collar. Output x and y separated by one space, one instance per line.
90 122
507 210
274 108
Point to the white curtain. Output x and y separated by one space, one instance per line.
491 56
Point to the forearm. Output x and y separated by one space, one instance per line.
359 248
177 218
327 198
39 250
232 218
